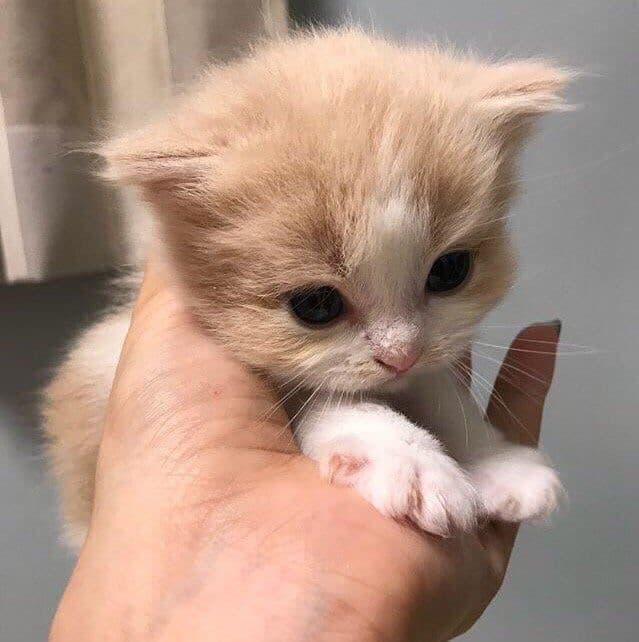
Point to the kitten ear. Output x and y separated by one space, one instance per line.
515 93
156 157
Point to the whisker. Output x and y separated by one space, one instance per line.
301 409
511 382
525 366
576 172
498 398
557 353
469 373
461 405
481 403
562 343
544 342
268 413
515 368
327 403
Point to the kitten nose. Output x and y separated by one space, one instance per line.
399 362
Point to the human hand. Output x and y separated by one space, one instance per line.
209 524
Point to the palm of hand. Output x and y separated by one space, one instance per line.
239 533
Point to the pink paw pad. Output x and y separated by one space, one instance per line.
342 468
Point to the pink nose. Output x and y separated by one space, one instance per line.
399 362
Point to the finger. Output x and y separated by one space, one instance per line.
516 404
153 283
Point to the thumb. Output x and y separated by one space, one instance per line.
517 402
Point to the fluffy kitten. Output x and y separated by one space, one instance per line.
333 207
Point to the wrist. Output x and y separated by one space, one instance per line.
238 584
96 607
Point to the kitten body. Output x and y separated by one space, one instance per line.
339 161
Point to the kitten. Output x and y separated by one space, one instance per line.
333 208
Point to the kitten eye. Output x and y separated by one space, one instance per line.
317 305
449 271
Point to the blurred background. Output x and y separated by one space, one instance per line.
67 68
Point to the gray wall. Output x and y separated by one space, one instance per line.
35 323
577 228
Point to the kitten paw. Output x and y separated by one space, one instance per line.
517 486
405 482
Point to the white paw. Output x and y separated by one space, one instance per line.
517 485
406 482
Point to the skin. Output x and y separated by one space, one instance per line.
209 524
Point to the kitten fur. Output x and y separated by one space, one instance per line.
337 158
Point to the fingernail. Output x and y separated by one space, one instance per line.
555 323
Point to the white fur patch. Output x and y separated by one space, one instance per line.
393 221
397 466
516 484
74 536
393 261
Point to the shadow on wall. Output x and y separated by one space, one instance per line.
312 12
36 324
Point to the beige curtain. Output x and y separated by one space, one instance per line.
69 67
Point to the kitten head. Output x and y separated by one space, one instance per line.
334 205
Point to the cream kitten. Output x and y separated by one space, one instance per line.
333 208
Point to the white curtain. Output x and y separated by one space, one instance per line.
67 69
